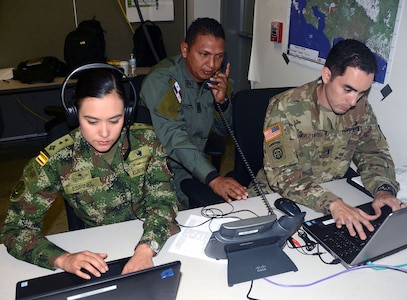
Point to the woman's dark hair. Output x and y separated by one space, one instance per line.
204 26
350 53
98 83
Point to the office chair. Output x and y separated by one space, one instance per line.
249 110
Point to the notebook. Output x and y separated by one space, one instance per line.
158 282
387 238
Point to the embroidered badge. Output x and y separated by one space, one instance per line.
31 173
83 186
81 181
272 132
19 190
177 91
80 176
139 153
139 159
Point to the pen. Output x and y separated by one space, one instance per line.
6 81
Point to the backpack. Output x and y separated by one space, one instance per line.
86 44
39 70
142 51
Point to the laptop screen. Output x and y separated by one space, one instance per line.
159 282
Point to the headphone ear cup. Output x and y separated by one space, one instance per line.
71 112
128 114
130 109
71 115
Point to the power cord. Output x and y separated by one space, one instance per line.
213 213
29 109
369 266
335 261
125 16
309 245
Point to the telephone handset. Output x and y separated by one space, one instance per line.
222 69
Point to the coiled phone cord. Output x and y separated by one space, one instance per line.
257 186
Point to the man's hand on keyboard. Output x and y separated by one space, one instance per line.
383 198
353 218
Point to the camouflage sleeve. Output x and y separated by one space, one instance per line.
282 170
373 158
160 204
30 199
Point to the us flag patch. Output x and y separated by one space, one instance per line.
272 132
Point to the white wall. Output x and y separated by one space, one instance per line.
202 8
268 69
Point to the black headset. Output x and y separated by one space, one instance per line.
71 112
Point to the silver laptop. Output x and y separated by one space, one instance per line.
159 282
387 238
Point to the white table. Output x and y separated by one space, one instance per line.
201 279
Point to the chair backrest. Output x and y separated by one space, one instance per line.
249 110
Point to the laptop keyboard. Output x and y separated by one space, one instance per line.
348 246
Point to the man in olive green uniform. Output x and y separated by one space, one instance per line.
183 109
312 134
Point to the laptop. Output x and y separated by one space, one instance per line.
158 282
386 239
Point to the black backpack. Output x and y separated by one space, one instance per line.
39 70
142 50
85 45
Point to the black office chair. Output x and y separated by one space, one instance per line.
249 110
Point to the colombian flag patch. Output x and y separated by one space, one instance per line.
41 159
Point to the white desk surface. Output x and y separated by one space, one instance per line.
201 279
15 86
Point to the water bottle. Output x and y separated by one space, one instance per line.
132 65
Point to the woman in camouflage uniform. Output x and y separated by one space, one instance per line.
107 169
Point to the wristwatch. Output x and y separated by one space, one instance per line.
154 246
387 188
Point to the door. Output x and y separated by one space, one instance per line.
237 21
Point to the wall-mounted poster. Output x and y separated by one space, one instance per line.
153 10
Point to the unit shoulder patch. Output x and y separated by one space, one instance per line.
169 105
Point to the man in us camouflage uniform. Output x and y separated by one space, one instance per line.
105 173
313 132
